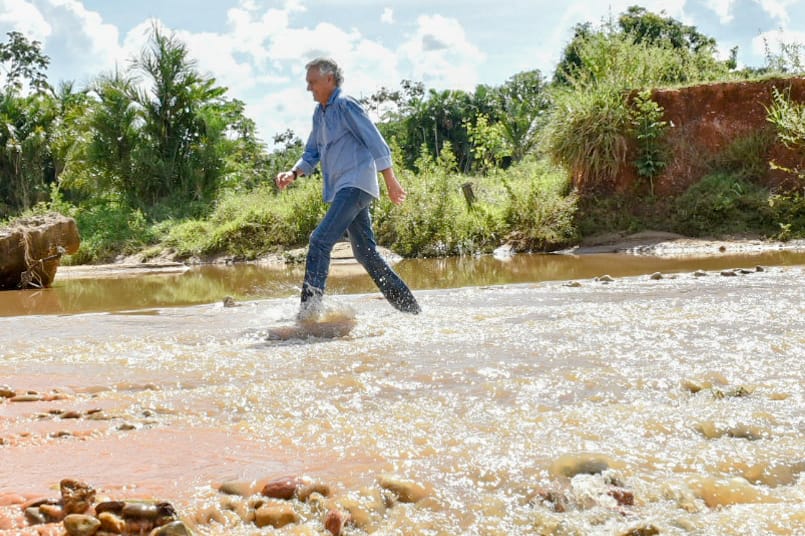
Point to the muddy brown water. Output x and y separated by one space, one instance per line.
522 404
79 293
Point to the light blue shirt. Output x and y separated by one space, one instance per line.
348 145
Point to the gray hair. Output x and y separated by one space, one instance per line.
327 66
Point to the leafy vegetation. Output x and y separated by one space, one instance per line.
157 158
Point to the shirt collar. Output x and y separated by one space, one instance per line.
333 96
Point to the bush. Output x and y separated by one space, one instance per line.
722 203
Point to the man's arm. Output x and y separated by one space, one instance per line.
305 165
393 186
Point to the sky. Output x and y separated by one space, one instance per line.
258 48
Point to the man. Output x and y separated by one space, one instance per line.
351 151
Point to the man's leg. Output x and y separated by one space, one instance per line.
343 209
364 248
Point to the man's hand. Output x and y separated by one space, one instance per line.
284 178
395 190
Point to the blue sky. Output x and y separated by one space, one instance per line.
258 48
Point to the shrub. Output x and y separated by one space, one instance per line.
722 203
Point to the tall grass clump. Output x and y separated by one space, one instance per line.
435 220
247 225
541 206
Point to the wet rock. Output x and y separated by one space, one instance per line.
237 487
571 465
70 415
31 250
28 397
229 301
406 491
573 284
34 516
759 268
716 492
622 496
656 276
648 530
77 497
282 488
81 525
700 273
7 392
111 522
729 273
275 515
711 430
52 512
745 271
115 507
774 474
241 507
305 491
553 499
606 278
335 521
174 528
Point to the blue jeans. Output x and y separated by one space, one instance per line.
349 212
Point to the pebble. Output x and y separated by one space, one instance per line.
175 528
407 491
335 521
282 488
81 525
77 497
111 522
275 515
237 487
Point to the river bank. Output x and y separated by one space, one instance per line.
597 406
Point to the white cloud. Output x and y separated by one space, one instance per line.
26 18
777 8
774 39
440 54
722 8
388 16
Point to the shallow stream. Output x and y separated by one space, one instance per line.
527 398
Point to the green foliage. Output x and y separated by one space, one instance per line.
788 118
746 157
23 63
588 133
109 227
541 208
248 225
646 47
648 131
489 143
25 159
724 204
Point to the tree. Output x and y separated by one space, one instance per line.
23 62
26 167
522 103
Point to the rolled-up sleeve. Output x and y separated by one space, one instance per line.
310 157
363 129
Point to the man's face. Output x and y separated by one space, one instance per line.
321 86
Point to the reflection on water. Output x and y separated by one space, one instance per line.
211 283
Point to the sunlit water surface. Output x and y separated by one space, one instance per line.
686 392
